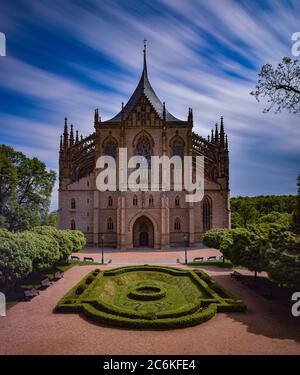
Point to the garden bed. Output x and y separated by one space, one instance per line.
149 297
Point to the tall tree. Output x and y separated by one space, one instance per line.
297 209
280 86
25 189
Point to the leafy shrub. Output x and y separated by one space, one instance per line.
66 245
43 250
214 237
14 264
77 238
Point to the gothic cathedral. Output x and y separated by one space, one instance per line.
146 219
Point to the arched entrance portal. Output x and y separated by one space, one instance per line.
143 233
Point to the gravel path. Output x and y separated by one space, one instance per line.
32 328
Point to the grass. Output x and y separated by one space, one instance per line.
149 297
34 281
216 263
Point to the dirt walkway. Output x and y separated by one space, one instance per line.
32 328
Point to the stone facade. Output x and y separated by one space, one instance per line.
129 219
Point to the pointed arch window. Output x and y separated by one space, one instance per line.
110 201
73 204
110 148
207 214
73 225
177 201
151 201
177 224
110 224
178 147
135 201
144 148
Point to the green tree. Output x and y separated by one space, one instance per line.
280 86
296 214
66 246
25 189
77 238
42 249
247 213
246 248
283 257
14 264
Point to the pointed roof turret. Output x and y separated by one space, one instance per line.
71 136
143 88
217 134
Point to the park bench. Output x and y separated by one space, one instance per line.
73 257
30 293
45 283
236 275
88 259
198 259
212 258
58 275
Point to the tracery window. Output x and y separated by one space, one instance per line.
110 224
151 201
144 148
110 149
206 211
73 204
178 148
73 225
177 224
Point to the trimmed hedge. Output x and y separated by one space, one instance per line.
212 298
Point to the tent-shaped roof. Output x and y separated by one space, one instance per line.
143 87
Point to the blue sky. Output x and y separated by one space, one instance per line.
66 58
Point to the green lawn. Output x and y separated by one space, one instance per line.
216 263
149 297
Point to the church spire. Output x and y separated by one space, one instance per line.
145 58
77 138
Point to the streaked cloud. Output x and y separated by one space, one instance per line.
67 58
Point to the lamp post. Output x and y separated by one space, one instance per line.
185 237
102 239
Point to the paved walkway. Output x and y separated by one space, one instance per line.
32 328
143 256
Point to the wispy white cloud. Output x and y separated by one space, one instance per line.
200 54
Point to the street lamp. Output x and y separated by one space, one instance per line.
102 239
185 237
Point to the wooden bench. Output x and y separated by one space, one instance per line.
45 283
212 258
73 257
236 275
88 259
30 293
58 275
198 259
